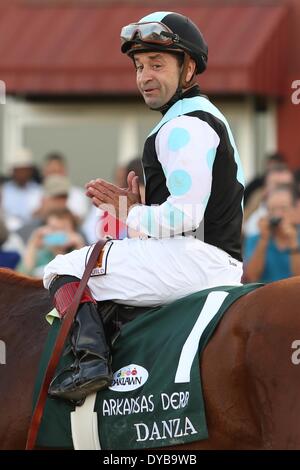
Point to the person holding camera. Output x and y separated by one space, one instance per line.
274 253
57 237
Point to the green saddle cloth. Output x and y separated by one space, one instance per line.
156 397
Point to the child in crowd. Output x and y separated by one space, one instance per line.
58 236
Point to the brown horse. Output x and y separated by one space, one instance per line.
250 382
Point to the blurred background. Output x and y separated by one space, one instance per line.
71 100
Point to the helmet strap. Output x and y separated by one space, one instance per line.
183 83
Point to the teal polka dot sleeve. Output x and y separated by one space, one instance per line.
186 148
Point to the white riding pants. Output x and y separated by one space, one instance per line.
150 272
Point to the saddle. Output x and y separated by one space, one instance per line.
115 316
158 368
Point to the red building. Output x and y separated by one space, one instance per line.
71 50
289 103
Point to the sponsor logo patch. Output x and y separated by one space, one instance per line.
129 378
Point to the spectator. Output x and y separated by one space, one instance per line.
21 195
276 176
78 203
57 236
274 253
55 196
8 258
272 161
3 179
297 182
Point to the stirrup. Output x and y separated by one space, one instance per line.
77 393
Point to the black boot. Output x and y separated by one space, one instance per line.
91 370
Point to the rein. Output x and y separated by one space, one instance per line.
58 348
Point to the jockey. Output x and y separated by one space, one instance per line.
189 229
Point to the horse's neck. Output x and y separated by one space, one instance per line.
21 295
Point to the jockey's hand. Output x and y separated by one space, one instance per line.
133 184
109 197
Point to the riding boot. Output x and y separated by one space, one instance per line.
91 369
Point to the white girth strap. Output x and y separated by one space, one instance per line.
84 425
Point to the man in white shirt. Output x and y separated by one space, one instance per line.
21 196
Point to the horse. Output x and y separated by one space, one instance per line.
250 380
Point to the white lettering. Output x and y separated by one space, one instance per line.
164 401
155 432
175 401
167 427
106 408
189 426
164 459
296 354
151 404
184 399
2 352
178 431
114 405
171 428
139 435
184 459
113 460
127 406
2 92
296 95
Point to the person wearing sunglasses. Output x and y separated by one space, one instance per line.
190 225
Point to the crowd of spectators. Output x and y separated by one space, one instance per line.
43 214
271 229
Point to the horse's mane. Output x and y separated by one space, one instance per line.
9 277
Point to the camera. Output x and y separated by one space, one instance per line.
274 222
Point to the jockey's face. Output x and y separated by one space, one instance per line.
157 76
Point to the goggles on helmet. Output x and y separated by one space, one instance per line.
151 32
